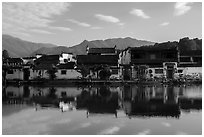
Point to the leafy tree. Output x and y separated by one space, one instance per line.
51 72
105 73
52 92
84 70
5 54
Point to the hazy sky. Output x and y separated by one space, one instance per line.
68 24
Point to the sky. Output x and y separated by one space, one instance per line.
68 24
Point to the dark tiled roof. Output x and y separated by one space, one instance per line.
29 57
97 59
44 66
11 67
69 65
47 59
14 60
101 50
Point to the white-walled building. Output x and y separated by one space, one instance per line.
67 71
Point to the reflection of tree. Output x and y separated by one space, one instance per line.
46 101
52 94
101 101
104 91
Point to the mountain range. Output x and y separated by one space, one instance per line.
21 48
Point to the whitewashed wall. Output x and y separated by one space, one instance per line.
193 72
124 57
35 73
17 74
71 74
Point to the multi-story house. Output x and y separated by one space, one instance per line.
98 59
146 62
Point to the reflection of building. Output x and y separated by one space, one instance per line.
188 104
134 100
150 101
101 101
40 95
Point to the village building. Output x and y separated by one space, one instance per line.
42 65
13 69
149 62
98 59
63 67
66 57
189 65
29 60
67 71
39 55
101 51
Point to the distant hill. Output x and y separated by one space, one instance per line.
80 49
20 48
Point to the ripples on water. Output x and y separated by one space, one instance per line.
127 109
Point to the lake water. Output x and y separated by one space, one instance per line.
104 109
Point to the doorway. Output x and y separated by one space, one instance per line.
26 74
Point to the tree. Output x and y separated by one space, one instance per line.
52 92
105 73
84 70
51 72
5 54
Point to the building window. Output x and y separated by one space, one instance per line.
65 60
10 72
158 71
180 71
63 72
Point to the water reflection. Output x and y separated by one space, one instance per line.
98 100
134 100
